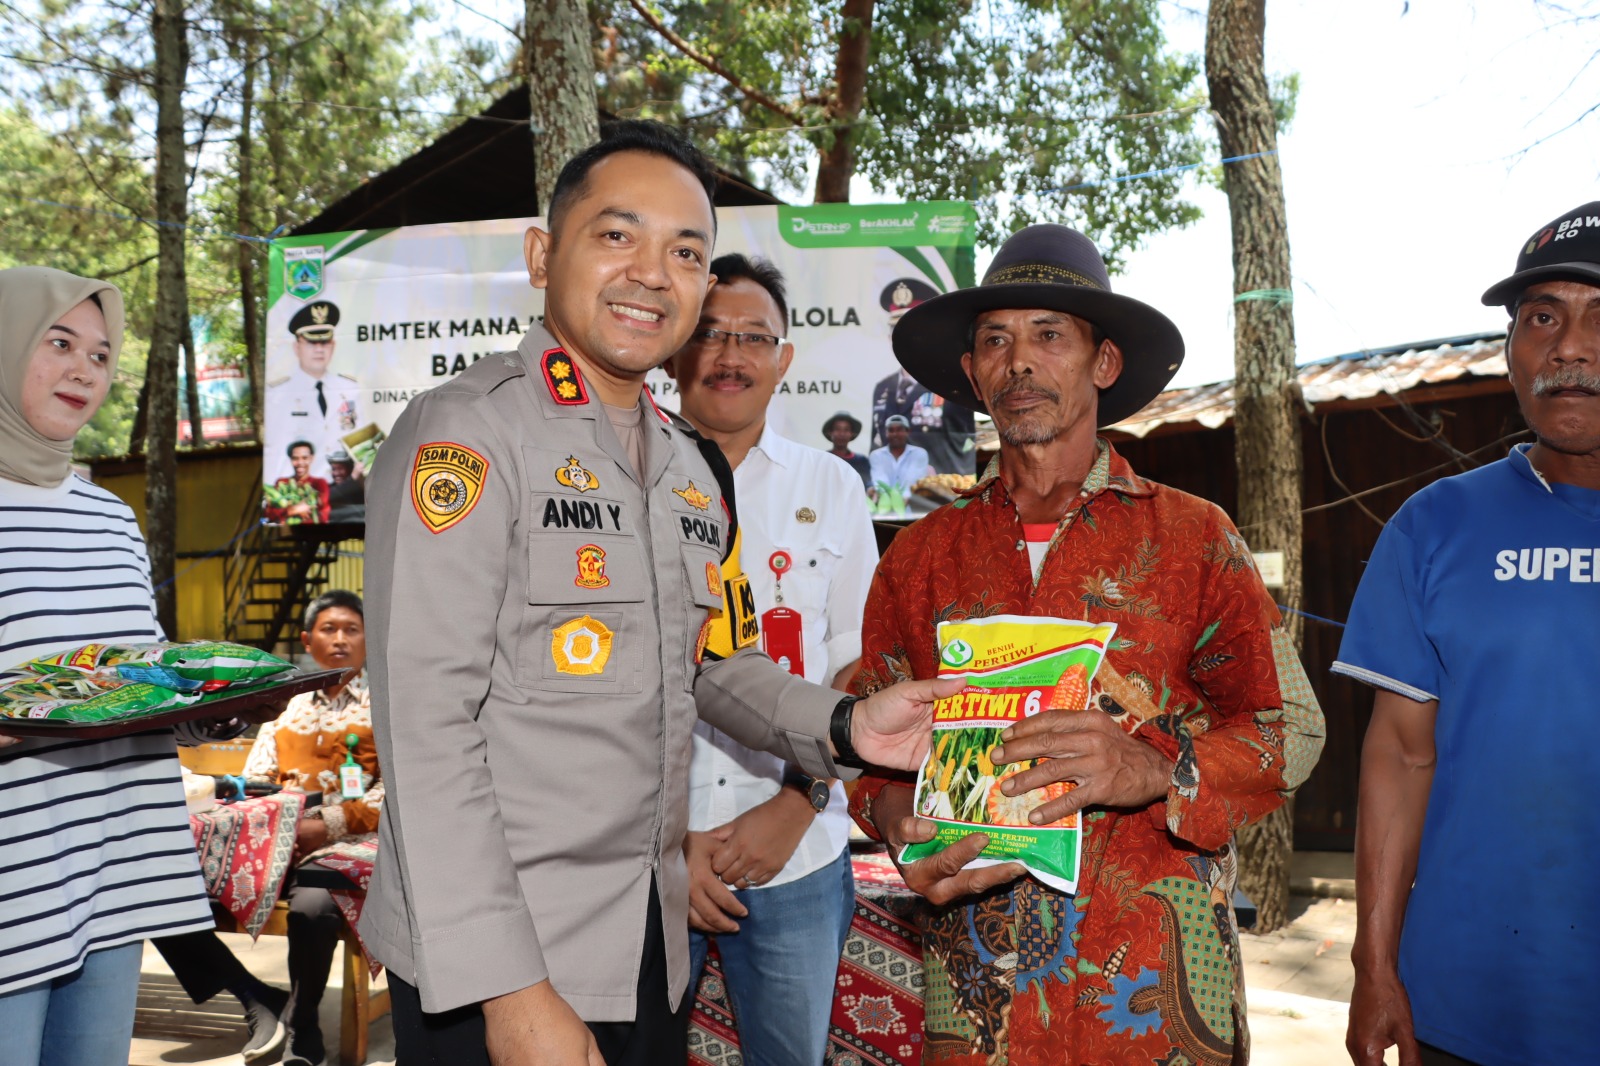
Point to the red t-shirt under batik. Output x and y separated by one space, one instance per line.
1142 965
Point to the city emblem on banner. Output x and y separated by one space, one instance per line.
302 271
446 482
574 476
581 646
591 568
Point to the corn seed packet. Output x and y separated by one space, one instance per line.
1015 667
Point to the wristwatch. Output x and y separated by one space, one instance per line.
815 788
839 733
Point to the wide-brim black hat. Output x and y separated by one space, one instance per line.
855 425
1054 268
1567 249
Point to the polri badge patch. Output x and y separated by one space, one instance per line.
581 646
591 568
446 481
714 580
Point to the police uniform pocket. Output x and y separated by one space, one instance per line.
702 577
585 613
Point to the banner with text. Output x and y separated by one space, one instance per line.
360 322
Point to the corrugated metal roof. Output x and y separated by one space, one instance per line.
1346 377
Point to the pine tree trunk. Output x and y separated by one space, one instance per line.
254 359
191 373
167 329
565 114
1267 397
838 161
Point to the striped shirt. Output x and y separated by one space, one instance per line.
95 847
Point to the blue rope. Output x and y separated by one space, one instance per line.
150 221
1157 173
1313 617
209 554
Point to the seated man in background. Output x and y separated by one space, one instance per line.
898 464
840 430
303 750
768 847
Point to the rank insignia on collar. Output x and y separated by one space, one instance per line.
581 646
693 497
591 568
561 377
574 476
446 482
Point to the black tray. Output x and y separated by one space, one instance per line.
268 695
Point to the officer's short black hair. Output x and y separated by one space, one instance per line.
631 135
300 444
331 598
734 266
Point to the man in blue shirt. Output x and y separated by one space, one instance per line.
1477 843
898 464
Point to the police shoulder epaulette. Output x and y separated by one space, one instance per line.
489 373
348 378
275 382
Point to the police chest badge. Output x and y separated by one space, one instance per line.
581 646
446 482
693 497
574 476
591 568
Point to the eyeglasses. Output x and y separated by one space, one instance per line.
755 343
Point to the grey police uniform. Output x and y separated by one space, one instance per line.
536 614
293 414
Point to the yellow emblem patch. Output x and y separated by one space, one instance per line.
574 476
714 580
591 568
446 482
693 497
581 646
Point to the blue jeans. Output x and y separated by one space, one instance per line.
84 1019
781 964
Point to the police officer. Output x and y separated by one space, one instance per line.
946 431
309 403
553 593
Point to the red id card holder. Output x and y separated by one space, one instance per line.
782 639
782 634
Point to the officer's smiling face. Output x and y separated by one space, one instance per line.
625 270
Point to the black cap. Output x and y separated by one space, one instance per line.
315 321
1568 249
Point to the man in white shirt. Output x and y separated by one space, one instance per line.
898 464
768 848
309 403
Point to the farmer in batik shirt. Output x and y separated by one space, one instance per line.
1200 720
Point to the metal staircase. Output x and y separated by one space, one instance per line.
272 572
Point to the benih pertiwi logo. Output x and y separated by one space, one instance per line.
956 653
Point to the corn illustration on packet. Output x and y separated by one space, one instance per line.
1015 667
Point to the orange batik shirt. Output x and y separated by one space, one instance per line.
1142 965
304 747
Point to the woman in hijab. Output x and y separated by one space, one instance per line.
95 849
